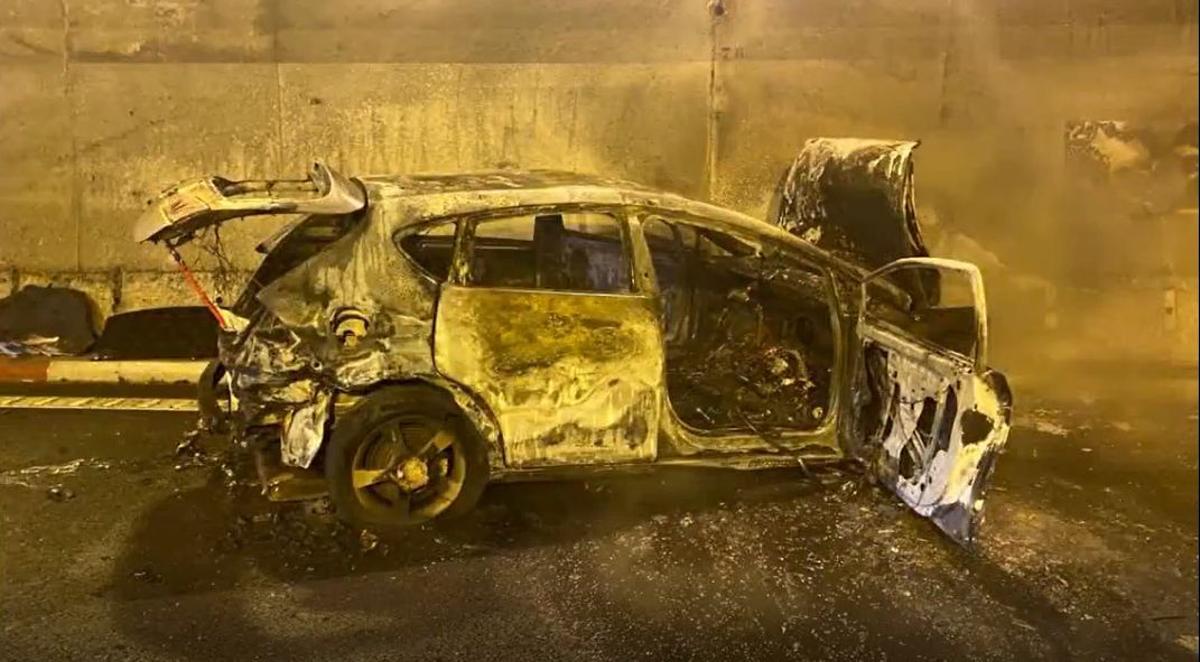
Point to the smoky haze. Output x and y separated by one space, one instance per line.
707 98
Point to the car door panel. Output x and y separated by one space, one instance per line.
943 416
571 377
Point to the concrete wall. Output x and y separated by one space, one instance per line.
104 102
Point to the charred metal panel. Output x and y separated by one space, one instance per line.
853 198
182 210
570 377
362 272
293 356
939 430
304 429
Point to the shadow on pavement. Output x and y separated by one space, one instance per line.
201 542
874 561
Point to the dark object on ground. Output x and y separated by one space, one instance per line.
180 332
48 312
60 493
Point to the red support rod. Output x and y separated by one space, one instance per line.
195 285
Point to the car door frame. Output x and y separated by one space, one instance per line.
521 448
938 466
979 357
819 443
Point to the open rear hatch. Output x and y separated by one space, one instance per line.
188 207
185 209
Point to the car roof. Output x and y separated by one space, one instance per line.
491 180
443 194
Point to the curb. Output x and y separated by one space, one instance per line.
40 370
97 403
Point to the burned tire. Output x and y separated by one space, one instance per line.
403 456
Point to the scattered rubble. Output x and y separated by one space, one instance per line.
147 575
60 493
33 345
28 476
368 540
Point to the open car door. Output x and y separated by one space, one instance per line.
938 416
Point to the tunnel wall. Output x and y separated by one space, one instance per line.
104 102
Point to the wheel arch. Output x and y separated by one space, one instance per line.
465 400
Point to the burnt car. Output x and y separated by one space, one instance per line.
415 337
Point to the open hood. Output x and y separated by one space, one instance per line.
853 198
190 206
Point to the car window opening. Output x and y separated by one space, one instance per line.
432 247
311 235
576 252
750 342
935 308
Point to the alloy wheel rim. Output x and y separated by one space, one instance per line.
409 469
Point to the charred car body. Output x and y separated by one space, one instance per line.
414 337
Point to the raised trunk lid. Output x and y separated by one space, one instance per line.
188 207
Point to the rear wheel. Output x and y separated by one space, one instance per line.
403 456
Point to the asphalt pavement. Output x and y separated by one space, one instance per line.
115 546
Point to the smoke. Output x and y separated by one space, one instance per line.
1077 266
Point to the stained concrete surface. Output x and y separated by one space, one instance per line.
1089 552
106 102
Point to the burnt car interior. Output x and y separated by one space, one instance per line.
750 342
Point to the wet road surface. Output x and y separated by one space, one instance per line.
114 547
